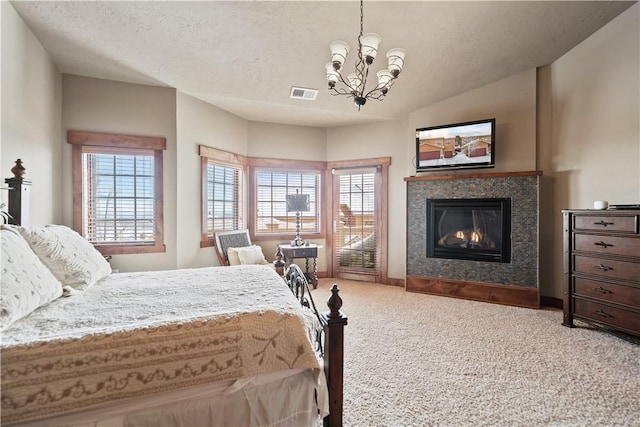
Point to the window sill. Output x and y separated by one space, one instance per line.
209 243
130 249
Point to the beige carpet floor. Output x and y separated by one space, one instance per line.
421 360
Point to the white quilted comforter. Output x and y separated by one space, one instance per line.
133 334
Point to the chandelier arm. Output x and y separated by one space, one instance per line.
346 83
372 93
340 92
377 97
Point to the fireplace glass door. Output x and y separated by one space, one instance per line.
471 229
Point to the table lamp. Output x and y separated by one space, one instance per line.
297 203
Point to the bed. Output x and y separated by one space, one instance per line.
233 346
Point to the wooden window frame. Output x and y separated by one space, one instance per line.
292 166
118 144
223 158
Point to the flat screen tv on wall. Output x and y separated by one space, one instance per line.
465 145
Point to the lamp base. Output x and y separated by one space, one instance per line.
297 242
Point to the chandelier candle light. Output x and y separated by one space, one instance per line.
356 82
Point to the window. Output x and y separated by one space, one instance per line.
222 192
271 186
117 196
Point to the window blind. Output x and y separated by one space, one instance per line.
118 197
272 188
223 197
355 232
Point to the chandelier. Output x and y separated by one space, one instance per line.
355 83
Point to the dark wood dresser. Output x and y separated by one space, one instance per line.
602 268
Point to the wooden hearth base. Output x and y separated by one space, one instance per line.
486 292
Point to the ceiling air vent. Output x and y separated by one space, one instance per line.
303 93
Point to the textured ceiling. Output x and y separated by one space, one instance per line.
244 56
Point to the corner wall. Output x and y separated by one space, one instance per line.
384 139
31 112
108 106
199 123
589 122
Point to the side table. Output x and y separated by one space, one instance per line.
307 251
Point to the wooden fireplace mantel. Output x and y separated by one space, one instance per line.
432 177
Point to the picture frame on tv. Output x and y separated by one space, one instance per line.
466 145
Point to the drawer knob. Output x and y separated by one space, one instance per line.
602 290
603 267
603 314
603 244
603 223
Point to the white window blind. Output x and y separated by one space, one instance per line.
118 196
272 188
223 197
355 233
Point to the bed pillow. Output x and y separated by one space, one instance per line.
25 283
70 257
232 256
251 255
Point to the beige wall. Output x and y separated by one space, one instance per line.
589 122
31 109
511 101
384 139
107 106
277 141
199 123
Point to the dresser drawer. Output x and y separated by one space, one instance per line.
628 224
612 245
617 317
612 269
302 252
605 291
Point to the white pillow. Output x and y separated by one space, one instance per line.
25 283
251 255
232 256
70 257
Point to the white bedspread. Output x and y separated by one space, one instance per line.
138 333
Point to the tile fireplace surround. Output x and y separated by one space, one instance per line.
514 283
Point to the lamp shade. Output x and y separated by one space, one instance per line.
339 50
332 74
384 78
396 61
370 42
298 203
